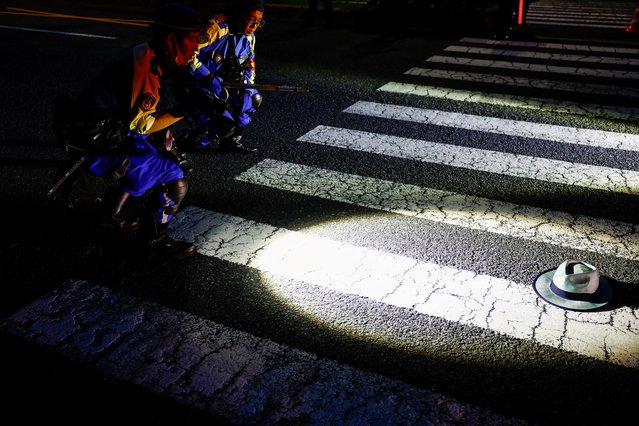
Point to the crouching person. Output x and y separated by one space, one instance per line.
227 55
123 148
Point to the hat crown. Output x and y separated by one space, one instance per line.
177 16
574 276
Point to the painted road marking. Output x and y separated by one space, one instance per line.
535 83
516 221
574 24
547 56
523 166
537 104
578 15
526 129
47 14
58 32
541 68
452 294
550 45
228 373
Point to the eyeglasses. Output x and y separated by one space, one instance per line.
252 22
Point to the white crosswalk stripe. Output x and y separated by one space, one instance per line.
568 173
229 373
536 104
616 50
547 56
519 66
595 89
563 134
614 238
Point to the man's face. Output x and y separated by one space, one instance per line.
186 47
251 22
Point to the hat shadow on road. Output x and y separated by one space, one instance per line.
624 294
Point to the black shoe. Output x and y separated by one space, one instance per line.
232 148
168 247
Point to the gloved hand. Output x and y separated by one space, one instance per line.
184 163
206 79
171 150
214 84
208 102
204 93
195 100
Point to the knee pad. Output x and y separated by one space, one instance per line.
175 191
257 100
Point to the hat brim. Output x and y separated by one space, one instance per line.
158 26
601 297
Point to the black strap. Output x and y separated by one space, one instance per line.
232 68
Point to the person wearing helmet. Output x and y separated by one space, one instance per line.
227 54
129 91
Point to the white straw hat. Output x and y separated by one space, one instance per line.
574 285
